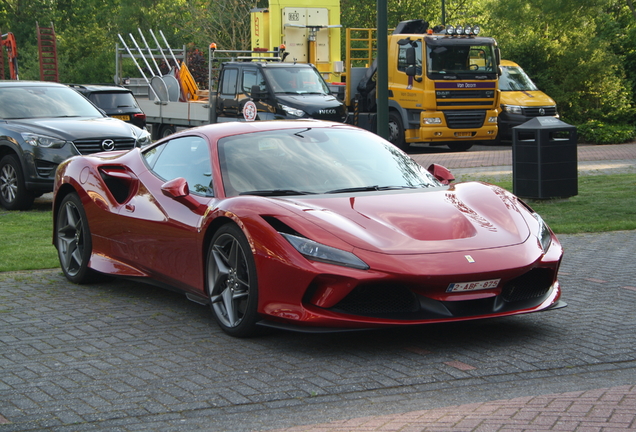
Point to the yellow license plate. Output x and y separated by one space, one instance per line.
122 117
463 134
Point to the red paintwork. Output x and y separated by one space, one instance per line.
160 231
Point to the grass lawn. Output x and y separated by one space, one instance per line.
604 203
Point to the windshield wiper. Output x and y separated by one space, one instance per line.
368 188
276 192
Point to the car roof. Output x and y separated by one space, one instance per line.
21 83
92 88
508 63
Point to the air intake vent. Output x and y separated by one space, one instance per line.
535 283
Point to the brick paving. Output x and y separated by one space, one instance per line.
124 356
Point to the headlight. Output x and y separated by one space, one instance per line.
320 252
42 141
292 111
142 136
431 120
513 109
544 236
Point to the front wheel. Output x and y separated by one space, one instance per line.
13 192
73 241
396 131
231 282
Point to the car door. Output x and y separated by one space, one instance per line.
161 234
251 76
227 104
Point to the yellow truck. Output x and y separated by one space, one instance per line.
520 100
442 81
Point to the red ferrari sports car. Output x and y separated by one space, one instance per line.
305 225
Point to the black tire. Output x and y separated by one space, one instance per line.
73 241
13 192
459 146
396 131
167 130
231 282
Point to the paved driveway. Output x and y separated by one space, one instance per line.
127 356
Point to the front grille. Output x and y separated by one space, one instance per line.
44 168
536 111
378 300
535 283
465 119
94 145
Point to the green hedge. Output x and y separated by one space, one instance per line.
597 132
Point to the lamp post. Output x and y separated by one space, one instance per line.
382 83
443 12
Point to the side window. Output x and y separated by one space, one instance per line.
187 157
402 65
229 81
251 78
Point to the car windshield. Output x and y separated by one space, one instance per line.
470 60
295 80
30 102
315 161
113 100
513 78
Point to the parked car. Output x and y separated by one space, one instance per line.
41 125
116 101
520 100
306 225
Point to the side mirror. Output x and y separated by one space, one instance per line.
178 190
257 94
410 56
441 173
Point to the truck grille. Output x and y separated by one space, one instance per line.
465 119
465 94
96 145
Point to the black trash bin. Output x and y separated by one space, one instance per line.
544 159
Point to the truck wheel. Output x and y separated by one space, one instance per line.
396 132
459 146
167 130
13 192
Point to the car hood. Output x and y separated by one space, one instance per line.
75 128
463 217
316 106
526 98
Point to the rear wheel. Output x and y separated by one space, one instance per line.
13 192
231 282
167 130
73 241
396 131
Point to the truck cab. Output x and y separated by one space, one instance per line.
520 100
260 90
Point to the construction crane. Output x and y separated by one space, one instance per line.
8 44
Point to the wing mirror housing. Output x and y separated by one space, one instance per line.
441 173
178 190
